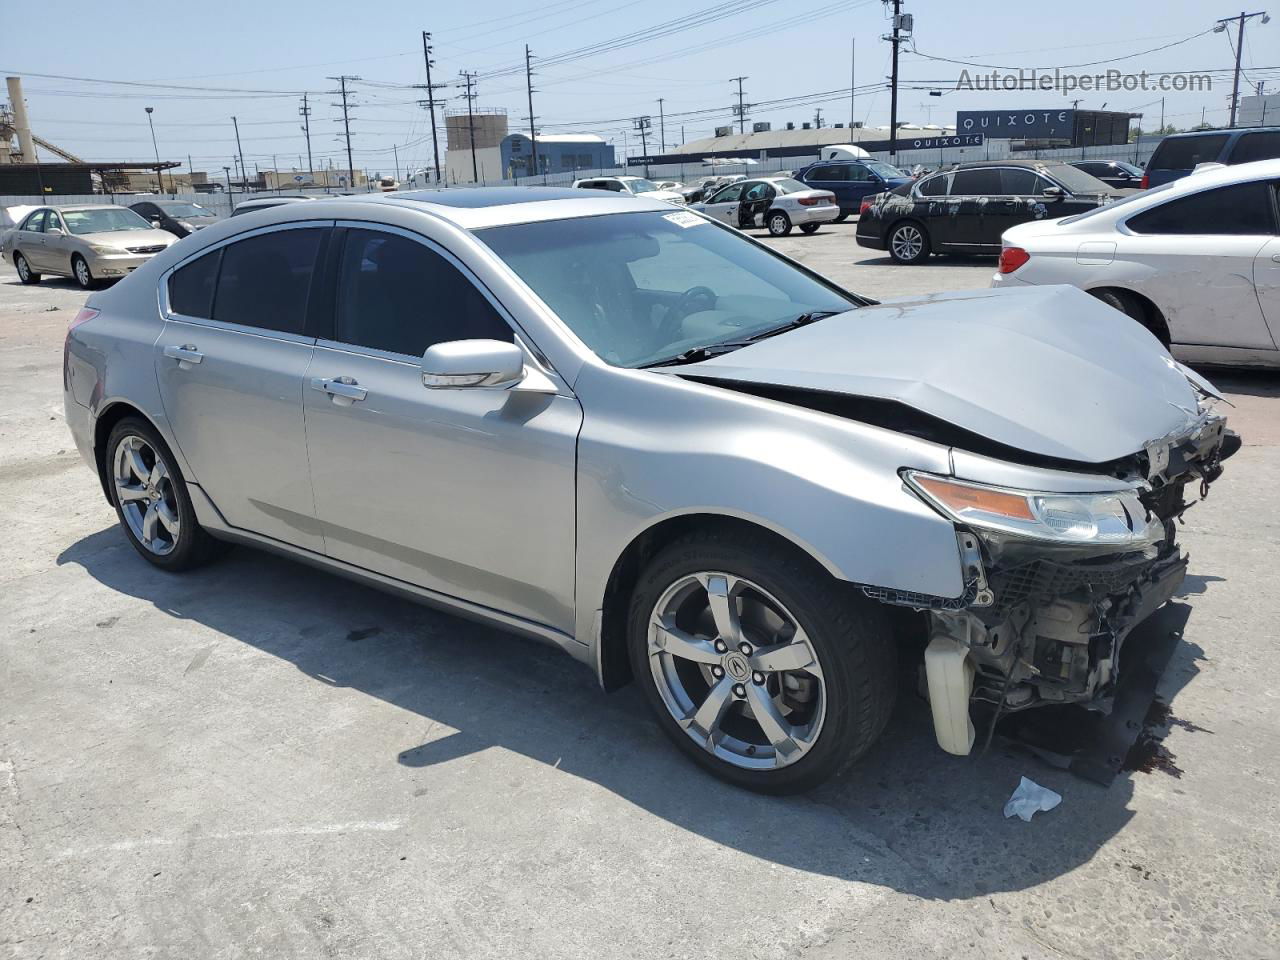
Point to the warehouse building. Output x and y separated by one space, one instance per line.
556 152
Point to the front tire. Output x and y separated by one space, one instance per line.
810 227
25 273
151 498
779 224
908 243
757 664
80 270
843 217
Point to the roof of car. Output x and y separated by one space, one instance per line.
1029 164
473 197
1218 130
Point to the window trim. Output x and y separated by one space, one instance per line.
329 324
946 175
169 314
38 212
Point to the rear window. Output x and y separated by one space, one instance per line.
1240 209
932 187
1264 145
1076 181
1183 153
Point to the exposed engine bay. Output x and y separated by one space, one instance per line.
1046 624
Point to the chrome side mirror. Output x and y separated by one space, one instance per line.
472 363
55 232
1054 193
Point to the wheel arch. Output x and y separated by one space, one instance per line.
611 639
106 421
1155 320
909 218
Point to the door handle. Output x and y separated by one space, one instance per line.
340 389
1275 258
187 353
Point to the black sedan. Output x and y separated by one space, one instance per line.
177 216
1119 174
965 209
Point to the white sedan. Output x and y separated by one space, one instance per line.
636 186
778 203
1196 261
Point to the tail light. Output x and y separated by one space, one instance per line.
811 201
84 316
1146 182
1011 258
864 206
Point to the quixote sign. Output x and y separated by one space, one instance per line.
1017 124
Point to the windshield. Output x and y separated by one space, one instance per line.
642 287
1075 179
640 186
104 220
886 170
185 210
1129 168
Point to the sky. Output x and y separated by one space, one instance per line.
597 64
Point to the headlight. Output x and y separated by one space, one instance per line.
104 248
1114 517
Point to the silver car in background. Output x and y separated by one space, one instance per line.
87 243
653 442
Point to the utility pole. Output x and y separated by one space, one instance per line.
159 182
275 171
192 171
244 174
853 79
1219 28
305 110
742 107
346 126
817 119
900 23
643 124
533 136
1161 130
396 153
662 126
470 80
227 171
430 103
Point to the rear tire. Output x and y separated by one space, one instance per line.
25 273
908 243
836 703
779 223
843 217
151 499
810 227
1132 307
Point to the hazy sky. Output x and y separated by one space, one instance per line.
786 50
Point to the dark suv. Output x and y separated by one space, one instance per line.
852 180
1177 155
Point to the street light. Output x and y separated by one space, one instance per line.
150 123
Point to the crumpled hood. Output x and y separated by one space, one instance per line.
1045 369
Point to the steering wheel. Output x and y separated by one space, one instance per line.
691 301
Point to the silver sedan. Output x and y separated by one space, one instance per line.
653 442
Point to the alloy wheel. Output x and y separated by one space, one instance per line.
83 277
907 242
145 490
24 271
736 671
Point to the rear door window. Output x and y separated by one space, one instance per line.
826 172
1264 145
398 295
265 280
1242 209
35 222
934 186
1183 153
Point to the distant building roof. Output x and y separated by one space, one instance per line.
772 139
563 137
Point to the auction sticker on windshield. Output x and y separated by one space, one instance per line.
684 219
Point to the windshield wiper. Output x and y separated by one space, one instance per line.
707 351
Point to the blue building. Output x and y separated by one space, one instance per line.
557 153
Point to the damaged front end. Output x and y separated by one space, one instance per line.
1055 582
